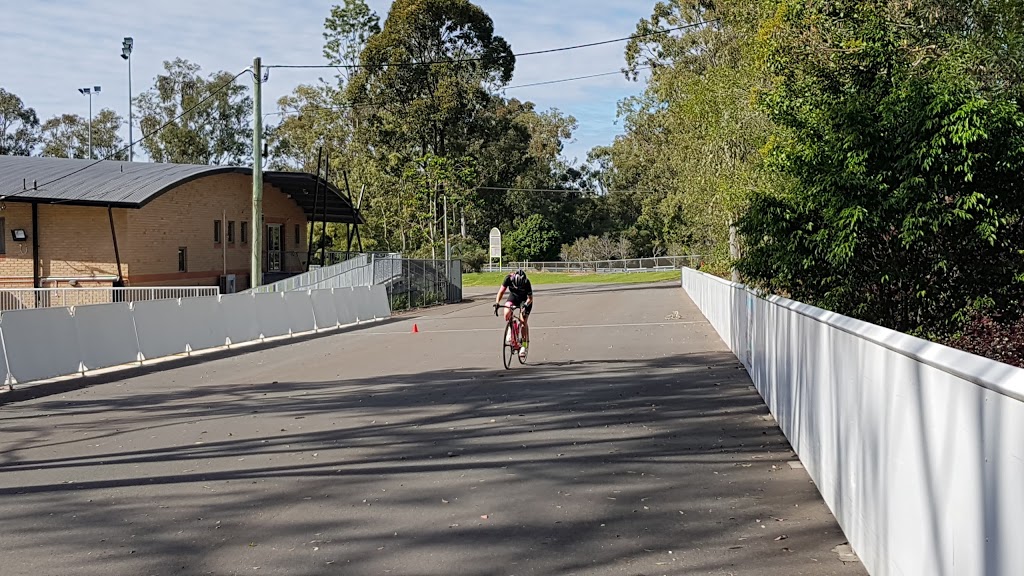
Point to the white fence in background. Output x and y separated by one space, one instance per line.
917 448
22 298
602 266
47 343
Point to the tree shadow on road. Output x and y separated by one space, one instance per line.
595 467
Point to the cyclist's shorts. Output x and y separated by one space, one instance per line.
517 302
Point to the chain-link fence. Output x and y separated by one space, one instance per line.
421 283
409 283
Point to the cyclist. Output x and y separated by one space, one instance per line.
520 293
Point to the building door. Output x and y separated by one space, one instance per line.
274 248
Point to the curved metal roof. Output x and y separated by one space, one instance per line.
134 184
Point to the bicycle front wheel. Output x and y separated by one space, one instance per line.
507 351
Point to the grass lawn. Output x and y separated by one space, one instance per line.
539 278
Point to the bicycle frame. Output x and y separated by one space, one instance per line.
517 322
513 330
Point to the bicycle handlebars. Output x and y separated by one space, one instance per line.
496 306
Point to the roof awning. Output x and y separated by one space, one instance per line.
302 186
109 183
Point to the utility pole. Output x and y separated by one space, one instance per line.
447 248
256 272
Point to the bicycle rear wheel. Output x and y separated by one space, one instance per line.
507 351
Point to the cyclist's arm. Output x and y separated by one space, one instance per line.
501 292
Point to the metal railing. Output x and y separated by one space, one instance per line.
422 283
409 283
603 266
337 256
357 271
26 298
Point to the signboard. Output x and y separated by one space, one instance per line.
495 243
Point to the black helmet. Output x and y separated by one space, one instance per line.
518 278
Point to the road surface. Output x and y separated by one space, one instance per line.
630 444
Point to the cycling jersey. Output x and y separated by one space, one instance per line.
520 293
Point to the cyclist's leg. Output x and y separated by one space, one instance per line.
508 316
526 323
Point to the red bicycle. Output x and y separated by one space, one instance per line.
510 340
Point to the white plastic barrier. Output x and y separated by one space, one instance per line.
361 305
204 319
272 312
379 305
300 312
240 320
106 335
345 305
5 374
324 310
917 448
160 328
41 343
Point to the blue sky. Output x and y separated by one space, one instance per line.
50 48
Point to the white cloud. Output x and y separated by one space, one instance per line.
52 48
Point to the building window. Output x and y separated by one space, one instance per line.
245 232
182 259
298 237
231 232
216 231
3 236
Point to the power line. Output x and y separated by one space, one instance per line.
545 83
302 109
557 190
219 89
521 54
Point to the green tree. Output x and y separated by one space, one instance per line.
430 179
690 156
347 30
311 120
216 132
65 136
106 139
424 74
534 239
19 126
904 145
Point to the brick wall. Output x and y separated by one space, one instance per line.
16 261
75 241
184 217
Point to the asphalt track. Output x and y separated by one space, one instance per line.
630 444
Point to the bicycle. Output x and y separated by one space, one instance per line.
510 338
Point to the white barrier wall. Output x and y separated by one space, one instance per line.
917 448
106 335
324 310
207 328
46 343
240 321
40 343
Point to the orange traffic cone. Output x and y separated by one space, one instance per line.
415 329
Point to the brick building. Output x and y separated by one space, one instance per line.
76 222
